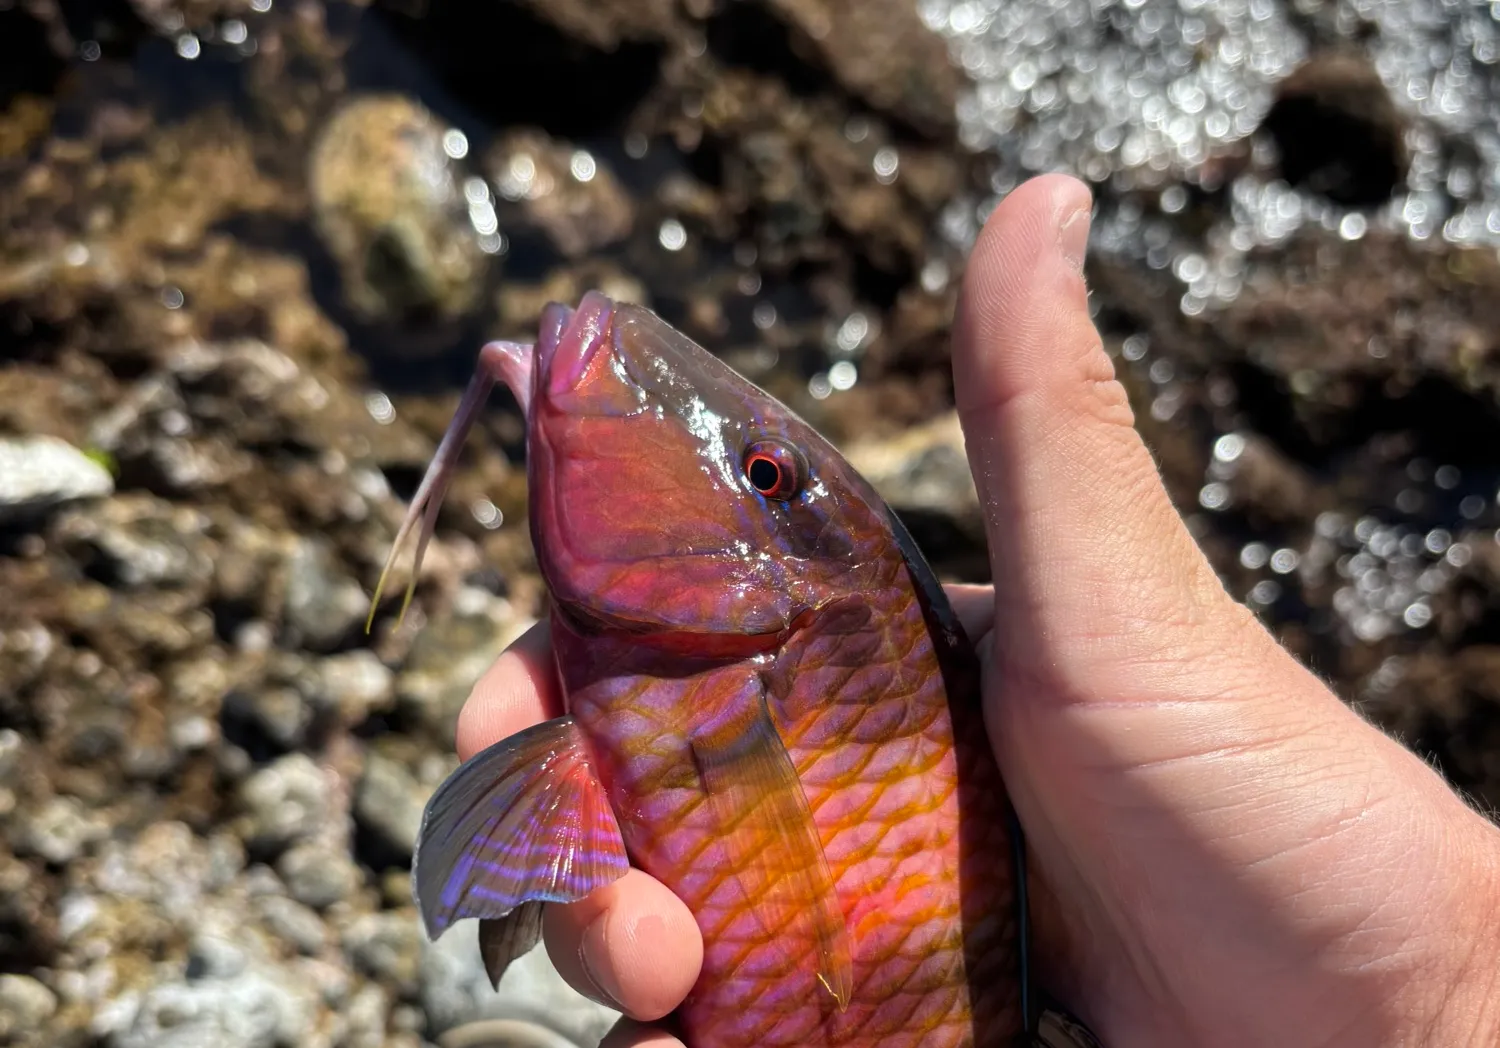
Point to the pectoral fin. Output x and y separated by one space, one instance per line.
758 801
525 821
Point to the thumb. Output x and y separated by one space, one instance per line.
1093 567
1174 766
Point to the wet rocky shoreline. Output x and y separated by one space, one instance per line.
247 252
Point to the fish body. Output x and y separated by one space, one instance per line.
770 708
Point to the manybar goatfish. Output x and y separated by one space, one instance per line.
771 708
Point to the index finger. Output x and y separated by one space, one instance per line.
519 690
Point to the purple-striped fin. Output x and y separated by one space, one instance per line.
527 820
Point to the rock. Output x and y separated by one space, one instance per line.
293 922
40 473
140 541
317 876
388 946
25 1005
323 604
366 1017
260 1006
1331 320
608 26
169 866
278 713
392 205
456 991
12 750
923 473
286 801
389 803
566 192
504 1033
355 685
59 830
452 653
257 394
154 437
881 51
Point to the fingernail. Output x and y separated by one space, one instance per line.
1073 230
593 954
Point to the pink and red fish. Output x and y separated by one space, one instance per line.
770 707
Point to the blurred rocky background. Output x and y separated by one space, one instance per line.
248 249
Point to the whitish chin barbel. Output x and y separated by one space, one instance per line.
769 706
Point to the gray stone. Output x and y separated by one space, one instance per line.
323 604
279 713
389 802
388 946
141 541
59 830
923 468
355 684
286 801
451 654
39 473
318 877
365 1017
25 1004
261 1007
293 922
456 991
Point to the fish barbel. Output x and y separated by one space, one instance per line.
770 707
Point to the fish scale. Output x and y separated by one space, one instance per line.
770 707
897 866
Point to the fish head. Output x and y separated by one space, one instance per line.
671 496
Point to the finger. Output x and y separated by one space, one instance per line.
628 1033
975 607
631 945
1173 765
1098 566
519 690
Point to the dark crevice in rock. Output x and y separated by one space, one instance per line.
1338 131
750 36
510 67
27 64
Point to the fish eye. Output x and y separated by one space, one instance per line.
774 469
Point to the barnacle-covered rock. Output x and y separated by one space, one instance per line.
393 208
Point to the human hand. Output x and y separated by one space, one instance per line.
1224 853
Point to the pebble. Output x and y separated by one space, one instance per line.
140 541
455 990
317 876
388 946
39 473
260 1006
59 830
293 922
25 1004
447 658
389 802
286 801
365 1016
323 604
356 684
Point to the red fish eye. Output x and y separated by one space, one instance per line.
774 469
